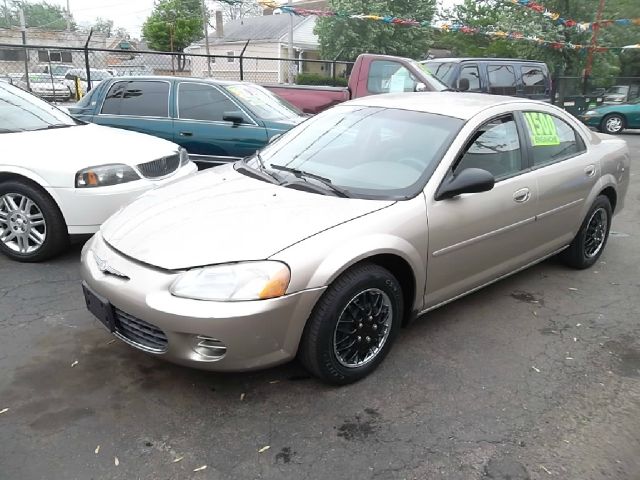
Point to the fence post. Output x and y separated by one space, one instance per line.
23 28
86 60
242 60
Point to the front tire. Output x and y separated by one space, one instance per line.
353 325
613 124
589 243
32 228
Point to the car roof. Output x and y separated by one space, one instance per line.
451 104
480 59
212 81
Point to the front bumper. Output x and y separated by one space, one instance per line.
591 121
256 334
85 209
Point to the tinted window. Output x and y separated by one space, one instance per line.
472 74
11 54
197 101
534 81
495 148
389 77
377 152
137 98
551 139
502 79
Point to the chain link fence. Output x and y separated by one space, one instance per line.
64 74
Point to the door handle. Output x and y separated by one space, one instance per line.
186 134
522 195
590 170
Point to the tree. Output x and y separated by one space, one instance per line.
40 14
174 25
234 10
345 38
103 25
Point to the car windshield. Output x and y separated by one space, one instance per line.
20 111
59 70
618 90
442 71
263 103
368 152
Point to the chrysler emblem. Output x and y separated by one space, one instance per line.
107 269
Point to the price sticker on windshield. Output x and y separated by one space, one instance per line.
542 129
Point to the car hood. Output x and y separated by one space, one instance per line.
73 148
219 216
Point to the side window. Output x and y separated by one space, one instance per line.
111 105
472 75
495 147
551 139
197 101
389 77
502 79
534 80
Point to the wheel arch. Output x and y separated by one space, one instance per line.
34 181
620 114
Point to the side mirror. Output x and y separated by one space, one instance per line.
420 87
469 180
463 84
236 117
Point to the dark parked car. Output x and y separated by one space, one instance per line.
498 76
217 122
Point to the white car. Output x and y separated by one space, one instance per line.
61 178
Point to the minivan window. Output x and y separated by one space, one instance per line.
534 80
471 73
138 98
502 79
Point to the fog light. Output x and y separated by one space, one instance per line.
211 349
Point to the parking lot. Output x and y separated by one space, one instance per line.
536 377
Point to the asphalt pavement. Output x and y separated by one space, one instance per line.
536 377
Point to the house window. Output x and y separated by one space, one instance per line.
230 55
11 54
54 56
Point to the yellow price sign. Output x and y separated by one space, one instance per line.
542 129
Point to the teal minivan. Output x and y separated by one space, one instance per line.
217 122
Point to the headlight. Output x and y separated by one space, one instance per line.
234 282
184 157
105 175
591 113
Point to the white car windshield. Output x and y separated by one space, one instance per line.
20 111
367 152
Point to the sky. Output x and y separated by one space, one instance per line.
129 14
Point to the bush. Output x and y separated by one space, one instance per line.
315 79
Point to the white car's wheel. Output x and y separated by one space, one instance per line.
32 228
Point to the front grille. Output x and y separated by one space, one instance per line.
161 167
141 333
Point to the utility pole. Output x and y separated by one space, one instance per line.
592 48
68 17
23 28
205 22
289 70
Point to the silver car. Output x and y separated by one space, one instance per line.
349 226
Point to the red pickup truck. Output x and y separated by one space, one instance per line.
371 75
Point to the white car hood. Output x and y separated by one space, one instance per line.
67 150
219 216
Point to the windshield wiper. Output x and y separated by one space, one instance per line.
54 126
340 192
260 173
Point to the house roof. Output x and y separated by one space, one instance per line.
263 28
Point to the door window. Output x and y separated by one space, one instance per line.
534 80
472 74
495 147
197 101
138 98
389 77
502 79
551 139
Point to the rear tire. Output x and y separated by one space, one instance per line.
353 325
32 228
589 243
613 124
